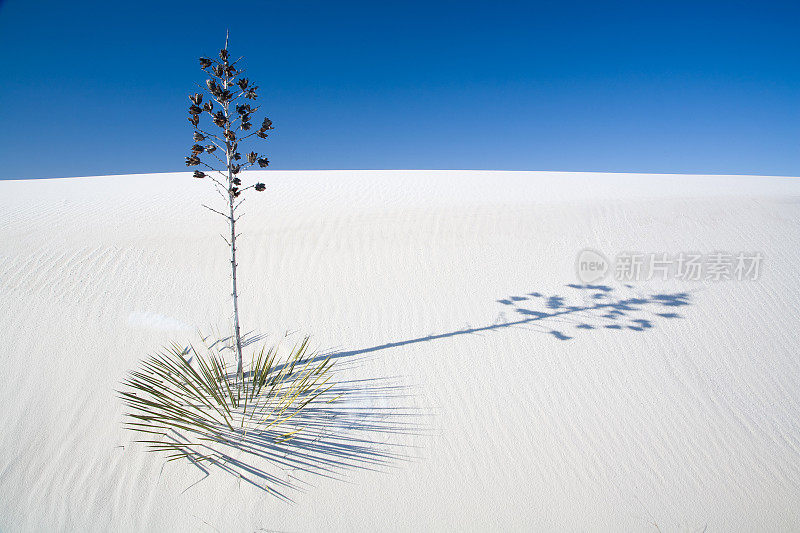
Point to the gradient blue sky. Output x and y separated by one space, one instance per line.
92 88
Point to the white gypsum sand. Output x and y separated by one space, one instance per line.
452 289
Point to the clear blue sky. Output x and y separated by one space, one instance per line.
93 88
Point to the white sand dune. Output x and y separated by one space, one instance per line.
450 287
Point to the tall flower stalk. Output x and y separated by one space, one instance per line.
230 114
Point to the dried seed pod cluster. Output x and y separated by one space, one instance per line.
232 116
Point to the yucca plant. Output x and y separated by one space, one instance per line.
187 404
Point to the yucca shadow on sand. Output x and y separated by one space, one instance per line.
360 430
600 307
363 429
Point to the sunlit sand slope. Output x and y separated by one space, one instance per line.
486 388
